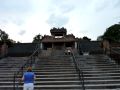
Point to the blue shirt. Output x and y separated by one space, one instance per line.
29 77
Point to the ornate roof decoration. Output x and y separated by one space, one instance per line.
58 30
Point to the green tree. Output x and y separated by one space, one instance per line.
113 33
100 38
86 38
4 38
37 38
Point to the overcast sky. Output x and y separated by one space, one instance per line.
23 19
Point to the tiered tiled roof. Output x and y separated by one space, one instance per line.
67 38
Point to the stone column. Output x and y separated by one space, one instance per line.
52 45
4 49
75 45
41 45
106 46
64 45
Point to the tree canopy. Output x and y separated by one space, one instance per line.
112 33
37 38
4 38
86 38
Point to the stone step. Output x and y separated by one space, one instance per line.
104 89
6 73
55 65
101 69
72 72
56 62
73 82
97 62
87 82
47 78
52 68
101 78
109 81
42 70
46 75
40 87
98 65
102 86
92 66
101 74
55 70
110 71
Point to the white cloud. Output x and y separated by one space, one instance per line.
22 32
22 20
12 30
57 21
15 6
34 25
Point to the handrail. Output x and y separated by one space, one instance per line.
115 51
81 76
114 54
29 62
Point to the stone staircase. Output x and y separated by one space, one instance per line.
59 73
56 73
52 73
8 66
100 72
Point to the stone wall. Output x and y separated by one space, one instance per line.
4 50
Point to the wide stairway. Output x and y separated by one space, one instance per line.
52 73
100 72
8 66
56 73
59 73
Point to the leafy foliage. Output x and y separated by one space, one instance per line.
112 33
86 38
4 38
37 38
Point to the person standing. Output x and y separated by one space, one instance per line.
28 79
